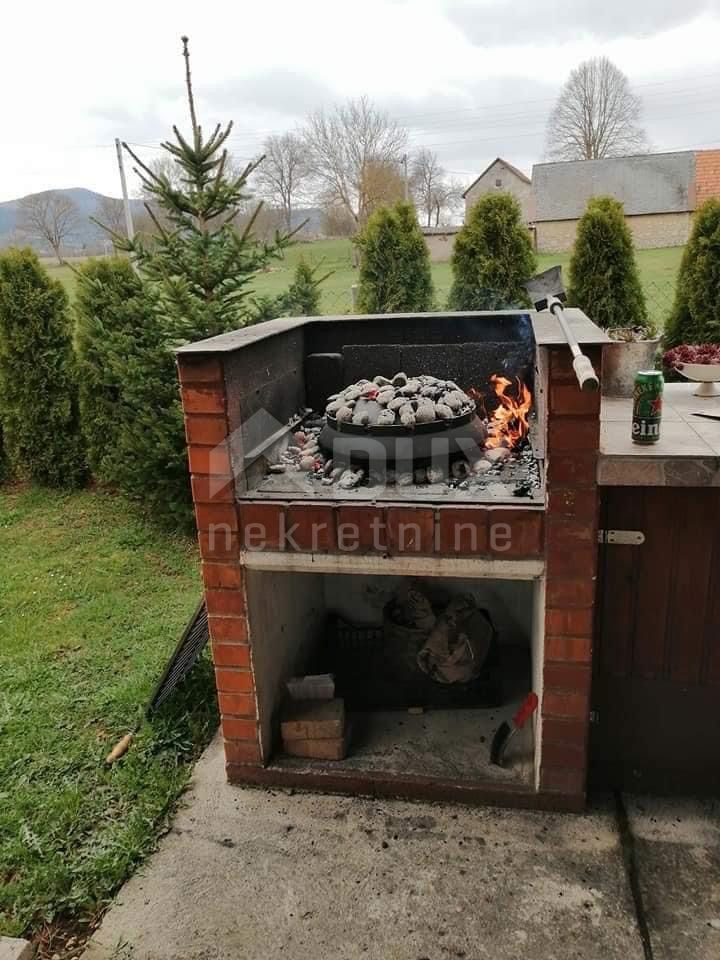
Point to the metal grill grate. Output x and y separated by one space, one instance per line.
186 653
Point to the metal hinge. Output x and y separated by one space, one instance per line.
626 538
595 717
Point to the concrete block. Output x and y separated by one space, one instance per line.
12 948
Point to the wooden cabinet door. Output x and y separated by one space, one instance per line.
656 662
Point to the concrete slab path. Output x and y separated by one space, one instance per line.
248 874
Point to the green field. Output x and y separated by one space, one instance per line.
658 270
93 601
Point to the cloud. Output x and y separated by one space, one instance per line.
278 90
497 23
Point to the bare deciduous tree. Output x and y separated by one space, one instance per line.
597 115
434 193
344 144
48 218
283 174
111 213
426 177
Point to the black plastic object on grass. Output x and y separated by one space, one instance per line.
186 654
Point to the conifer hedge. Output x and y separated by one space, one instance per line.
695 315
604 278
492 257
113 318
38 386
395 272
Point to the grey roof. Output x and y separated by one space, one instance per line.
518 173
649 183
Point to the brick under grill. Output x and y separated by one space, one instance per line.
268 539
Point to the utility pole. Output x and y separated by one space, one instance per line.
123 183
405 174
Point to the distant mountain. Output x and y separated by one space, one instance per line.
88 238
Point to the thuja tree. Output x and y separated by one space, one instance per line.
38 387
604 278
395 272
492 257
115 327
695 316
196 270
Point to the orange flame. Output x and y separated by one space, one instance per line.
508 424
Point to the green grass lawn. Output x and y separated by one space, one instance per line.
92 603
658 272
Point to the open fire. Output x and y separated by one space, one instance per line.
509 423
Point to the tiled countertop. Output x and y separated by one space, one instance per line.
687 454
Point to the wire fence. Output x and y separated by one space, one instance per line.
659 295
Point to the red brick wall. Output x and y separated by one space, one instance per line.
571 557
500 533
206 429
707 175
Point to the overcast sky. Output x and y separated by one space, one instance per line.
472 79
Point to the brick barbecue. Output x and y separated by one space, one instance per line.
281 551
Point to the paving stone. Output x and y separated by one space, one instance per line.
12 948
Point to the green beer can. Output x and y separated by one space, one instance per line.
647 406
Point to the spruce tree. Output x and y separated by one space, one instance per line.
604 278
395 274
695 316
201 265
492 257
38 385
301 299
196 270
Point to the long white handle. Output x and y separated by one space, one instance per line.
584 370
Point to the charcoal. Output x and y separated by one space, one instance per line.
344 414
277 468
460 469
307 463
399 380
496 454
425 412
386 418
350 479
443 411
420 475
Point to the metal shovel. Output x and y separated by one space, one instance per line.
546 292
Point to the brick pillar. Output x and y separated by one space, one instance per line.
206 428
571 560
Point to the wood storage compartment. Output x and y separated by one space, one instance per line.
407 728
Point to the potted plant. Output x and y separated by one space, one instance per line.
605 284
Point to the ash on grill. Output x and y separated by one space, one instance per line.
401 404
